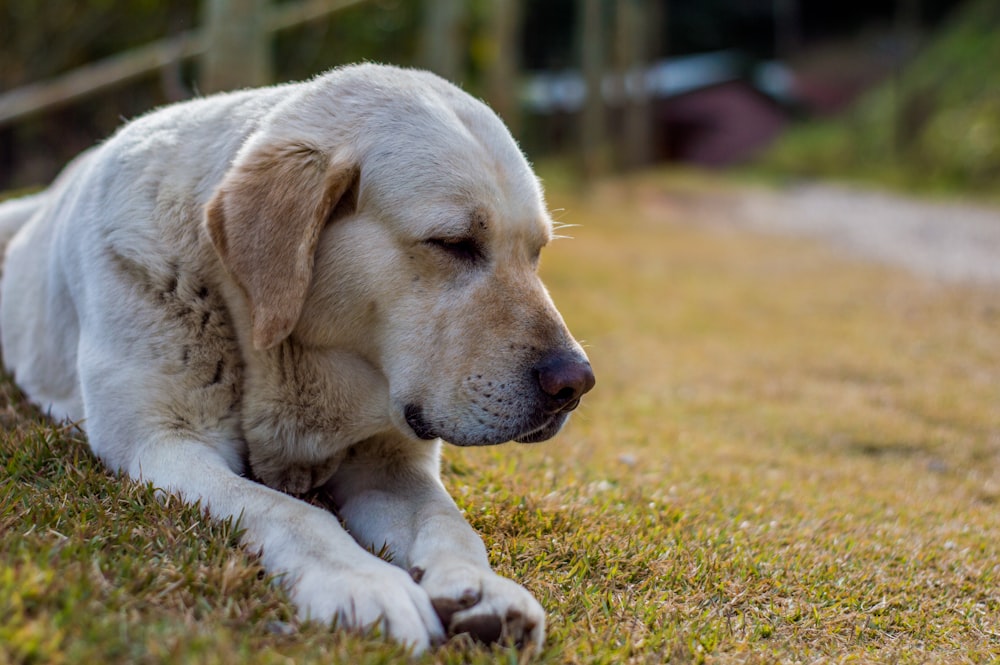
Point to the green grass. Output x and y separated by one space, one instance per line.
789 457
934 129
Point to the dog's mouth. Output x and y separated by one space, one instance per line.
414 415
546 431
541 428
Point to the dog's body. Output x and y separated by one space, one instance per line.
323 278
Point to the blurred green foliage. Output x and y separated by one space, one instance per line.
377 30
935 126
39 40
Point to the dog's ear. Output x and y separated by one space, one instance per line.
265 220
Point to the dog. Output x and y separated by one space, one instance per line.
250 296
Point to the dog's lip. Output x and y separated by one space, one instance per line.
414 416
546 430
570 406
538 431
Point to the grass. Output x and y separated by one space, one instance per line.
934 128
789 457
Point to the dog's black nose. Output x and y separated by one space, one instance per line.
564 378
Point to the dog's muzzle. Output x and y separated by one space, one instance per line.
561 380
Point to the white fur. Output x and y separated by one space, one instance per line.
121 311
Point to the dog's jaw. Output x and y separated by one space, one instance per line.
414 416
541 427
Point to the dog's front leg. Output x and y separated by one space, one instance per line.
394 498
328 576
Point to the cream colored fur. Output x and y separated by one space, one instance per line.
321 279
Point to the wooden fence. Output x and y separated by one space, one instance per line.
118 69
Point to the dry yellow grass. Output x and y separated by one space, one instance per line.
790 456
831 427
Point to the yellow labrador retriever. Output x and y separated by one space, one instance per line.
325 280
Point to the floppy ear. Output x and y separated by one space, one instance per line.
265 220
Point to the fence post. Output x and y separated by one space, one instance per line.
441 41
593 120
501 75
632 58
239 45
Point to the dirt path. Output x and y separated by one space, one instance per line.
949 241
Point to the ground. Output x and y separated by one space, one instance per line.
792 455
953 241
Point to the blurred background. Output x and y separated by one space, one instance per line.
903 92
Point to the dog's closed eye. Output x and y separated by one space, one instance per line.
463 249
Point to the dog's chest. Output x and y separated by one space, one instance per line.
191 334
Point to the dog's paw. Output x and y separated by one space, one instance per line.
480 603
375 596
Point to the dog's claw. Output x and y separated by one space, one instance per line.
495 610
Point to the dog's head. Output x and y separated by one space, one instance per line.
387 213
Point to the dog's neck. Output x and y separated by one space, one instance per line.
304 408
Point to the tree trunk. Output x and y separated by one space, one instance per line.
787 29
